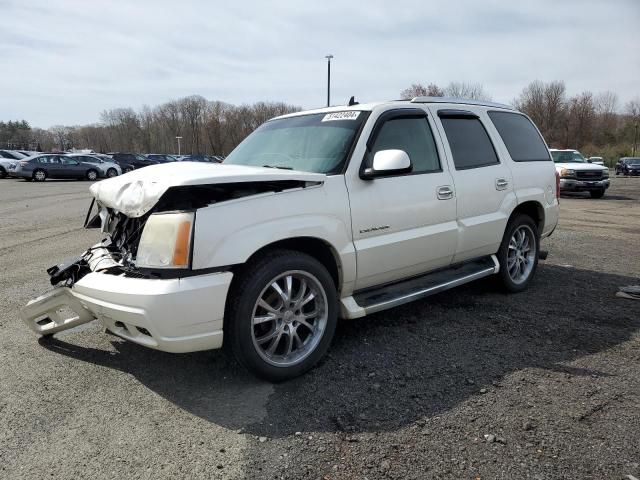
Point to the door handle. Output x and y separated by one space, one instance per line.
501 184
445 192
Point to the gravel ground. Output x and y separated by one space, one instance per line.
470 383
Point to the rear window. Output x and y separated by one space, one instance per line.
520 137
470 144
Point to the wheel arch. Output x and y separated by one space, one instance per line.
315 247
533 209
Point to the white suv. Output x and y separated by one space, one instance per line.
337 212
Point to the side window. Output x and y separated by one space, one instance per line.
520 137
413 135
470 144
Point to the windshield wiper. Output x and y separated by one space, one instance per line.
281 167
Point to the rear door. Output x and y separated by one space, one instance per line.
51 163
483 184
405 224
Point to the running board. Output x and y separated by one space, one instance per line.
389 296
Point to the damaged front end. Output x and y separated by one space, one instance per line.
129 249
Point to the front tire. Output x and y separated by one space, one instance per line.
92 175
596 193
3 173
518 253
281 315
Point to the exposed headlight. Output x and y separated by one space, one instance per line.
166 241
567 172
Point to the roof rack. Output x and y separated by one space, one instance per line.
465 101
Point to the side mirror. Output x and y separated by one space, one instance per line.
388 162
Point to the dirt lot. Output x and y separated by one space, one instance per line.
552 375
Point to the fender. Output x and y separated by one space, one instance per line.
226 235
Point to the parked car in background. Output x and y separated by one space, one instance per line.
108 168
343 211
161 157
201 158
596 160
12 155
41 167
578 175
7 167
131 161
628 166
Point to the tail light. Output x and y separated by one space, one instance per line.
23 164
558 186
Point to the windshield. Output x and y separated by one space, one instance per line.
317 143
633 161
568 157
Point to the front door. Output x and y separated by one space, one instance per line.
403 225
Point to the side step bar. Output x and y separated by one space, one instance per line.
389 296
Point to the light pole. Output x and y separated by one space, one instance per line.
328 57
635 141
178 138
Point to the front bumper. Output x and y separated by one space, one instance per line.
573 185
175 315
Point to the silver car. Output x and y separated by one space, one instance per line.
107 168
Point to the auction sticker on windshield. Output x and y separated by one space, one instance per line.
341 116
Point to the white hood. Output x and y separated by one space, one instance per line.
136 192
580 166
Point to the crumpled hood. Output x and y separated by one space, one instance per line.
136 192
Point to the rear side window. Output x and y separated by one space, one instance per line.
520 137
470 144
412 135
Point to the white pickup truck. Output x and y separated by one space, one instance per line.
337 212
577 174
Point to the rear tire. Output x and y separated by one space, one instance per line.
281 315
112 172
39 175
518 253
596 193
3 173
92 175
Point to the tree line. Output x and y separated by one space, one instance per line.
206 127
591 123
595 124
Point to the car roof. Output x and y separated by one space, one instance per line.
367 107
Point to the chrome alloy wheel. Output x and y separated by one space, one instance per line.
289 318
40 176
522 254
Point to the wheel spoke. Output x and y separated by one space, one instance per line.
308 298
306 324
274 344
289 340
277 288
297 339
288 281
268 337
262 303
263 319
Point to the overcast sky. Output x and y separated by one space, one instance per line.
65 61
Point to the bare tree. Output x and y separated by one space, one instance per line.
472 91
419 90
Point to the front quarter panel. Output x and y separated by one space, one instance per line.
230 232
